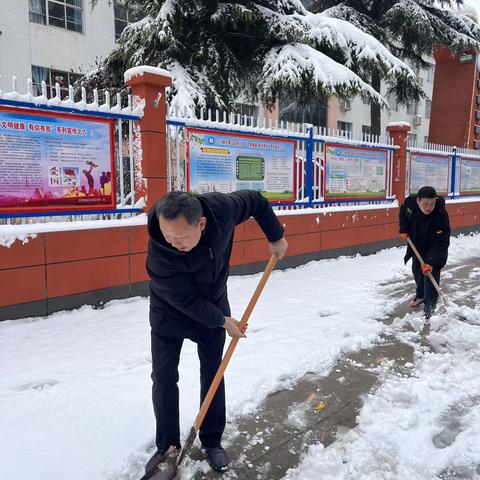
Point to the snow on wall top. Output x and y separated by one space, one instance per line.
82 105
399 124
139 71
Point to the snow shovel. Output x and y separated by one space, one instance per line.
429 274
167 470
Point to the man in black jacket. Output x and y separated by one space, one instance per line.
191 238
424 218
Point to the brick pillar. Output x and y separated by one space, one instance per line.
399 133
148 85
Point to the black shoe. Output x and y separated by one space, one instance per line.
157 458
217 458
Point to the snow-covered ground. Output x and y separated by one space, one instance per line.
75 390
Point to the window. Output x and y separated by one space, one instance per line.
59 13
345 128
412 139
345 105
50 77
248 110
428 108
366 133
430 73
124 13
412 108
392 101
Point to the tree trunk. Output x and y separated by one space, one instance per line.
375 111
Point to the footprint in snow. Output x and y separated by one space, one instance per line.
452 421
38 385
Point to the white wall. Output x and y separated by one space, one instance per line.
24 43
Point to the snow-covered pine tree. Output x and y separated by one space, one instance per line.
216 50
409 29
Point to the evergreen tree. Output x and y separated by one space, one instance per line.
216 50
409 29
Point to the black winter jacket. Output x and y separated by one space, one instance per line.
429 233
188 290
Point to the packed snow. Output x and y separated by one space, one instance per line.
76 389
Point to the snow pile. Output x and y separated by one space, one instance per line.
79 381
421 426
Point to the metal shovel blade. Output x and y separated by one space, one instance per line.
164 470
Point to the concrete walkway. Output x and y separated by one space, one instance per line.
316 408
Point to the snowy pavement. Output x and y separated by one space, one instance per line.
75 392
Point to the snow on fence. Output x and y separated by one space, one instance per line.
309 161
453 171
59 99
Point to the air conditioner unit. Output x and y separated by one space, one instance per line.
417 120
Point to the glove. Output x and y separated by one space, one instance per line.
426 268
404 236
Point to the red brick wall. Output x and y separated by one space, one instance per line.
57 264
452 117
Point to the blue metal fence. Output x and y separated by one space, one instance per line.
453 171
309 159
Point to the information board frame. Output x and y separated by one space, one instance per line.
85 203
331 196
440 192
467 192
281 198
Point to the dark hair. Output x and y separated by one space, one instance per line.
427 192
174 204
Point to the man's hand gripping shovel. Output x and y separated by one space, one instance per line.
167 470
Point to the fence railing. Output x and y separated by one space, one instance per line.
310 155
98 104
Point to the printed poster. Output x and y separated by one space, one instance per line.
55 162
355 172
469 176
225 162
431 170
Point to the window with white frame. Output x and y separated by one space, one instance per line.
51 77
412 108
67 14
345 128
366 133
247 111
428 108
392 101
124 12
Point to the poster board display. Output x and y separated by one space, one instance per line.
469 177
53 161
355 173
221 161
432 170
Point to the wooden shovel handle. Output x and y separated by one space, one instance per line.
420 259
233 343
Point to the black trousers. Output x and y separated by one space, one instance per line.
165 358
425 288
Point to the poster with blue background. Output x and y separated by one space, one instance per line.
430 170
225 162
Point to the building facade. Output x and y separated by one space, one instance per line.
354 116
456 110
56 40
